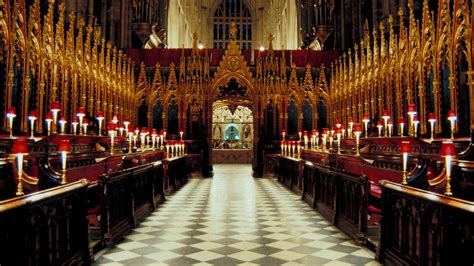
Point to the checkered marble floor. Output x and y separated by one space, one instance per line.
235 219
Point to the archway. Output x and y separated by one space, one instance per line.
233 86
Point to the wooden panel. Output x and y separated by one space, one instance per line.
425 228
46 228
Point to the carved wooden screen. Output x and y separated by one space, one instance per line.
270 121
226 12
173 117
307 116
292 118
158 116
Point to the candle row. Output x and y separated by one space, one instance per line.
175 148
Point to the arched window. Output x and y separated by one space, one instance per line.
226 12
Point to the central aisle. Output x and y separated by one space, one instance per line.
232 219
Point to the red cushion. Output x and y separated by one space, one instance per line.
375 190
374 210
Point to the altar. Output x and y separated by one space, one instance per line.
232 155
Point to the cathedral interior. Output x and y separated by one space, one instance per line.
228 132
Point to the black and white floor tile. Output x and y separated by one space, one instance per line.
234 219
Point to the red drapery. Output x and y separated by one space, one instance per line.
165 56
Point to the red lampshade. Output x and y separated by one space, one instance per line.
100 115
81 111
115 119
432 117
385 114
350 120
325 131
120 126
126 121
11 112
365 117
75 120
20 147
131 129
64 146
357 128
112 127
49 116
379 124
338 123
452 115
401 120
55 106
412 109
63 119
181 131
390 122
405 147
33 114
416 119
447 149
154 132
85 121
338 131
144 130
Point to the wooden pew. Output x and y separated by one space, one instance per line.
425 228
290 173
46 228
176 173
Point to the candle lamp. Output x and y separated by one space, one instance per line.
385 117
379 127
411 113
130 138
282 147
351 127
401 122
305 137
154 133
120 128
11 114
316 139
338 123
283 133
85 124
432 120
343 130
112 128
324 135
299 134
135 136
20 149
64 148
32 117
331 139
452 119
74 124
357 133
147 142
448 152
49 119
416 122
115 119
62 123
143 134
55 108
126 122
181 133
405 149
366 120
390 127
81 112
293 147
164 134
100 118
338 135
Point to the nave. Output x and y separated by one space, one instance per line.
231 219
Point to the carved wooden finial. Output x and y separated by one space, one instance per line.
233 30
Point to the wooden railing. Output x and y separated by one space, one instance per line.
425 228
46 228
290 173
176 173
